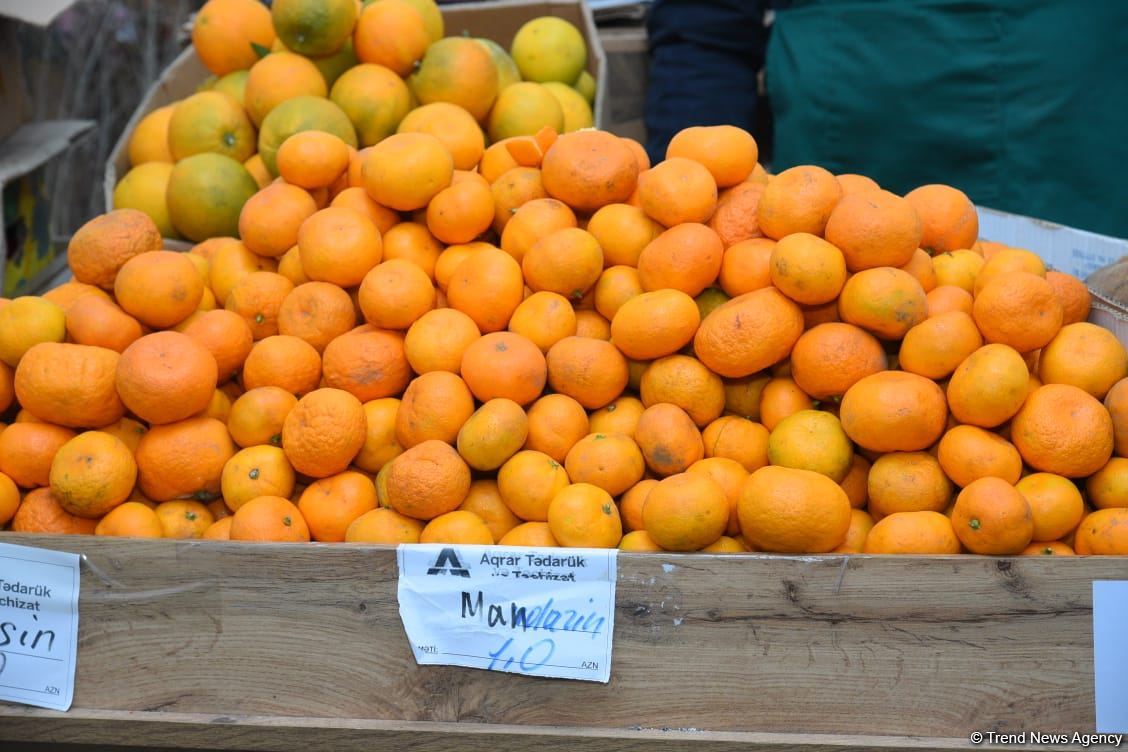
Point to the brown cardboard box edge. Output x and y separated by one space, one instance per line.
498 20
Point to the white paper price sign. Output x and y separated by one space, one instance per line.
38 626
1110 655
526 611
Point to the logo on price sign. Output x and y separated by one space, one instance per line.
519 610
448 563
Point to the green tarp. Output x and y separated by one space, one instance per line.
1023 105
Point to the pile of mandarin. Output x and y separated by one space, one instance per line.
566 346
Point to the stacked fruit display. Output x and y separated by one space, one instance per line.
554 343
361 73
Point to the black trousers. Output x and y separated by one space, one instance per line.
704 58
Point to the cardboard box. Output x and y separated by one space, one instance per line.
1069 250
31 251
497 20
628 71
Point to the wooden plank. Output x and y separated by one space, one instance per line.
56 746
825 645
285 734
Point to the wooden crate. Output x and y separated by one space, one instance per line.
204 645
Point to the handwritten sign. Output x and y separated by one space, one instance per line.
38 626
520 610
1110 655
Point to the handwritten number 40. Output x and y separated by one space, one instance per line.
534 657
